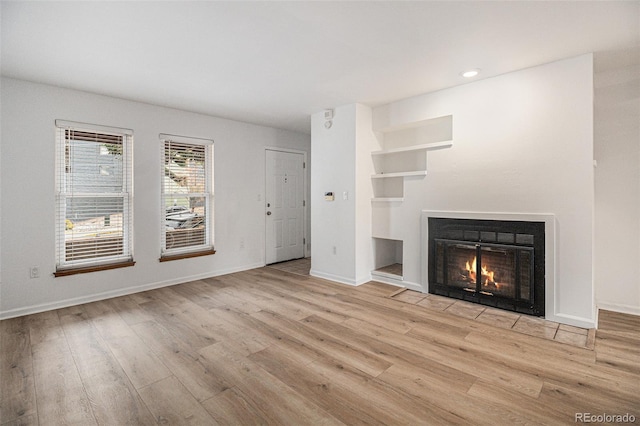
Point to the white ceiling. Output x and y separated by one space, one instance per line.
276 63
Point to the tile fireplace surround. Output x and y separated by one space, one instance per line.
550 244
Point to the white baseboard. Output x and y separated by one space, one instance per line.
337 278
617 307
34 309
382 278
572 320
414 286
386 279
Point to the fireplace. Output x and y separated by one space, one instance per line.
499 263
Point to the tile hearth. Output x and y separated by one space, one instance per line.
532 326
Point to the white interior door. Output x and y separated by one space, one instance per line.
284 206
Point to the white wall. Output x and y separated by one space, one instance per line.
0 193
617 180
27 222
365 142
522 143
342 164
333 169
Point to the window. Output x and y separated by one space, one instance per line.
94 198
187 213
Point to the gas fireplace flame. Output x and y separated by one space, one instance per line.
486 277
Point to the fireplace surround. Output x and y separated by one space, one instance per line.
504 260
492 262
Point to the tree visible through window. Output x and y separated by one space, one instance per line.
94 185
186 198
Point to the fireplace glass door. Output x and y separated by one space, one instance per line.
485 270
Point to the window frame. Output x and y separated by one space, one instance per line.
65 131
188 251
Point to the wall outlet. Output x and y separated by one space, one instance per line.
335 251
241 243
34 272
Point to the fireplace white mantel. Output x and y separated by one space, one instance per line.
550 254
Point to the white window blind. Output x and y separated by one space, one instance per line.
187 213
94 195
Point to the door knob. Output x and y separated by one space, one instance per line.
268 213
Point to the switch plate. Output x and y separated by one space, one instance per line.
34 272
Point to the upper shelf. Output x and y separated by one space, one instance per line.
400 174
431 122
422 147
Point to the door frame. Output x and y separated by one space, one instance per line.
305 195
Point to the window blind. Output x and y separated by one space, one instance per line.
94 196
186 195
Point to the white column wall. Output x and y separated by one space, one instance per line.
342 164
617 180
366 142
333 232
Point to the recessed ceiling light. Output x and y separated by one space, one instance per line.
470 73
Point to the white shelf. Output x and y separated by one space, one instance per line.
400 174
428 122
423 147
386 275
403 154
388 199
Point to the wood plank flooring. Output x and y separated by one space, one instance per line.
271 347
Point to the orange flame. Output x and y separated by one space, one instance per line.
487 276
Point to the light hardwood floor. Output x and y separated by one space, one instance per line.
271 347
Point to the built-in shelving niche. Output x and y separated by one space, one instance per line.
388 189
405 155
388 260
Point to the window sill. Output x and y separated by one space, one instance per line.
187 255
95 268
